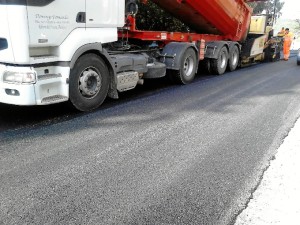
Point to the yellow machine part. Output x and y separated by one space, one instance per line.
258 25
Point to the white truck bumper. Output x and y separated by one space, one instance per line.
16 93
47 89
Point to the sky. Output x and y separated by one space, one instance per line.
291 9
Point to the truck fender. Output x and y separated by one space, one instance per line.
99 50
83 49
173 52
213 48
232 44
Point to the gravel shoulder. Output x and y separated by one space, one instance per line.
276 200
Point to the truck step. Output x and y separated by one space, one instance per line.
127 80
54 99
48 76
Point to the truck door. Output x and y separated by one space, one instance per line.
50 21
104 13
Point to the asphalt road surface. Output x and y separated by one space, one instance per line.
181 155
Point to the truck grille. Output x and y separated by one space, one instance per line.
3 44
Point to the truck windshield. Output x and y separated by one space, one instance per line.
3 44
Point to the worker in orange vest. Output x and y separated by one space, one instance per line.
287 42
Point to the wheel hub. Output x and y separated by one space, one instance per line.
188 66
89 83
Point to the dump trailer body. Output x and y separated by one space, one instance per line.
228 18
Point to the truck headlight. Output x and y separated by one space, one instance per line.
19 77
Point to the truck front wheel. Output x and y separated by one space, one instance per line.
219 65
188 66
89 82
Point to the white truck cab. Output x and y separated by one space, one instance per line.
41 41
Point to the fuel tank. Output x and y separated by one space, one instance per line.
229 18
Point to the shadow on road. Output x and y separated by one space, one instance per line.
16 117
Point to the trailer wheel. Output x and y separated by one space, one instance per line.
206 66
187 71
218 66
233 59
89 82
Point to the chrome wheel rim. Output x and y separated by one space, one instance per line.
89 82
223 60
188 66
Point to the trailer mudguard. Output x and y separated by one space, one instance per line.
173 52
231 44
212 49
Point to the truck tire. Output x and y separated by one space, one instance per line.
206 66
233 60
89 82
187 71
219 65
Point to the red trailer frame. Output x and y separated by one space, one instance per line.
130 31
